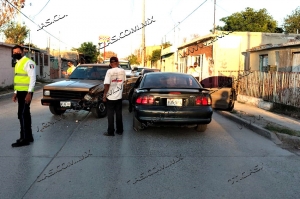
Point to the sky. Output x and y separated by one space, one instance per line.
85 21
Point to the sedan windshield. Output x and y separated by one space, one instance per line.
89 72
171 80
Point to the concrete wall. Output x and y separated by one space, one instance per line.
228 50
279 58
6 69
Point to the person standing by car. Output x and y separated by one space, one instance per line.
24 82
71 68
195 70
113 90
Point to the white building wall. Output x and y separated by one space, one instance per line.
6 69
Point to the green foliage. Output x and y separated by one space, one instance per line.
7 11
156 55
249 20
90 51
31 45
292 22
15 33
133 59
166 45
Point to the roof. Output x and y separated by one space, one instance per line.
6 45
294 42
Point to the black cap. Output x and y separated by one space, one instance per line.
113 59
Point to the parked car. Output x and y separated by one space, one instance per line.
222 91
83 90
167 98
141 70
125 64
149 70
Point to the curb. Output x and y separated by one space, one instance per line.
291 140
253 127
37 87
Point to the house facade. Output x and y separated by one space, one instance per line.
40 57
168 63
284 57
223 51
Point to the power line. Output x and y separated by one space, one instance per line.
41 9
186 17
35 23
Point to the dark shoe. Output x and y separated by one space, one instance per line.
30 140
108 134
119 133
20 143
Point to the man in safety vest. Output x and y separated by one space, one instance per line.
24 82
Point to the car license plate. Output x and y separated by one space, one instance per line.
65 104
174 102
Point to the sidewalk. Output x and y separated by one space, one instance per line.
256 119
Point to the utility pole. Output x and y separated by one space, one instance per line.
214 29
143 36
59 59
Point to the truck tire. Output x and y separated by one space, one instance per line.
201 127
56 110
99 111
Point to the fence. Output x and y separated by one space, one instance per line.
278 87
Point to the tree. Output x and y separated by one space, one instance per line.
109 54
292 22
166 45
156 55
133 59
7 11
15 33
31 45
249 20
90 52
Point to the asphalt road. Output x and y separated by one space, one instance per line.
70 158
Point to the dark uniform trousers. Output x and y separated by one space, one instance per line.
24 116
114 106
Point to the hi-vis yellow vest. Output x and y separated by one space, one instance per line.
21 79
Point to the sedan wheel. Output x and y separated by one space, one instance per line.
137 125
201 127
100 111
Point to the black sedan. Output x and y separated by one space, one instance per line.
166 98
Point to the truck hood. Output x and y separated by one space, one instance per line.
73 85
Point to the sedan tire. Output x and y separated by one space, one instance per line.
99 111
56 110
201 127
137 125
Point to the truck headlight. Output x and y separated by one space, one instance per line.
87 97
46 93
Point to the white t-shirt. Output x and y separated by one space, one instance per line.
115 77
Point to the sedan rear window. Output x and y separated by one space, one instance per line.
160 80
91 72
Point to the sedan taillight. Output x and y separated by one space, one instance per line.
202 100
146 99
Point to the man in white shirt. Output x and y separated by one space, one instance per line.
113 90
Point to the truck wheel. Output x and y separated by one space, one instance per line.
201 127
100 110
56 110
